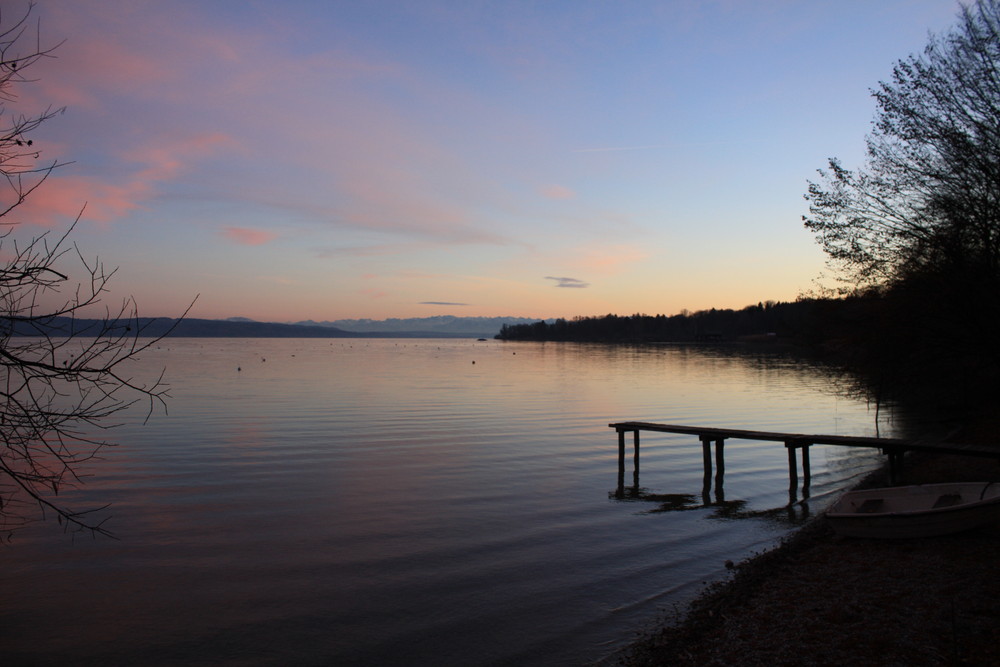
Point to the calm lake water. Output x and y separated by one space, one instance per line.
415 502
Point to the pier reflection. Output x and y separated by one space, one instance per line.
713 495
795 512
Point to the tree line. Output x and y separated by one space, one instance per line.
768 320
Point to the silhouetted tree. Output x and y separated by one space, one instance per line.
918 228
59 384
928 198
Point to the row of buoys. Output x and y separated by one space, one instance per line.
240 368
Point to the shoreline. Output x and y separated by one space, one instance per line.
820 599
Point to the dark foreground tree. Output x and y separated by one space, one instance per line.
59 384
918 227
928 198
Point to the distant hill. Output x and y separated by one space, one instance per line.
188 327
196 328
231 328
442 325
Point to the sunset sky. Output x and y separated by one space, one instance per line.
325 159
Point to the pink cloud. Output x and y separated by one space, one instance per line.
126 66
62 196
245 236
557 192
60 199
84 70
87 71
164 159
378 167
608 259
397 200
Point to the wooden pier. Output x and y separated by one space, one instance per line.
893 448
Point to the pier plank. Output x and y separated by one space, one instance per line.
804 439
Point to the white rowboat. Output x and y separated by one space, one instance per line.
925 510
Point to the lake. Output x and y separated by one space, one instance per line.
416 502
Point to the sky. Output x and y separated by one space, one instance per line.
329 159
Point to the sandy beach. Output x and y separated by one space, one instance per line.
819 599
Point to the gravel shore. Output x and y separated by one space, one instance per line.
819 599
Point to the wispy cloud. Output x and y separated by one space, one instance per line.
441 303
557 192
245 236
608 259
278 280
610 149
685 144
562 281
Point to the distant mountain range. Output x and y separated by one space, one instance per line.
239 327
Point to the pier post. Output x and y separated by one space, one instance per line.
635 469
620 492
720 470
706 457
621 464
806 475
793 469
720 462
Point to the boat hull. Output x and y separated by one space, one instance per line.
926 510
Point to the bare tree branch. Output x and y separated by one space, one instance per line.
60 381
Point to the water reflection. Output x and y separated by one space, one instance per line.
795 512
713 495
351 502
